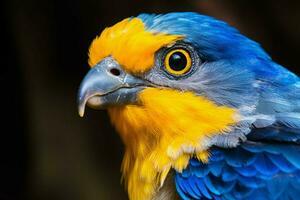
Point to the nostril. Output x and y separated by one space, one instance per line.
115 71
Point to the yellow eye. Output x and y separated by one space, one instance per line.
178 62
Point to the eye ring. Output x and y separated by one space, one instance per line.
178 62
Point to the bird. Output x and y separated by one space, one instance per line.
203 111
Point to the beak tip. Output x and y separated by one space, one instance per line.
81 113
81 109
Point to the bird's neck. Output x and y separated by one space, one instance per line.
164 132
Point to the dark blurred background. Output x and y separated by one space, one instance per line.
47 151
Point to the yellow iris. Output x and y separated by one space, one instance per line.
178 62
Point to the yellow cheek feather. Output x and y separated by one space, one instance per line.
130 44
164 131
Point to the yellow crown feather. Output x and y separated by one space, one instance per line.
130 44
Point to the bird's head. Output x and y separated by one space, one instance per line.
172 84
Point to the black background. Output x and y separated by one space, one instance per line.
47 151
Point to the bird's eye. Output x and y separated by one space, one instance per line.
178 62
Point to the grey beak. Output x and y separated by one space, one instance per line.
108 84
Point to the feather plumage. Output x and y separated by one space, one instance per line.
271 175
230 129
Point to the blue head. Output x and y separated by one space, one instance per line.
234 68
214 39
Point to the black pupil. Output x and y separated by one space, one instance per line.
177 61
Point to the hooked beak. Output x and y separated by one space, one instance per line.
108 84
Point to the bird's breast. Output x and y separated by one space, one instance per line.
164 131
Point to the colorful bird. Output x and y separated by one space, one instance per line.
203 111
